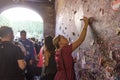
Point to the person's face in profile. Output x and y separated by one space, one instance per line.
23 35
63 40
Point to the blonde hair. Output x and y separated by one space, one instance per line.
55 41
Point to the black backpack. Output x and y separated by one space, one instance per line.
51 68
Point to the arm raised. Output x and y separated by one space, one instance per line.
82 36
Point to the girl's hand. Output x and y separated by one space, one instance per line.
86 20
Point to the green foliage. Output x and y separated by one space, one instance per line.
33 28
4 21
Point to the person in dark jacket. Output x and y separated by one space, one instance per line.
12 63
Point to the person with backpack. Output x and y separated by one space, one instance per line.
49 65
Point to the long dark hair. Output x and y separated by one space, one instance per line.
49 44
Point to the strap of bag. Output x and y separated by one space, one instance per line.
64 66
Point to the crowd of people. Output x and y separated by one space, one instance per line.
26 59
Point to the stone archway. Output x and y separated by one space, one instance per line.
45 9
21 18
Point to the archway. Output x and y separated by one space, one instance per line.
20 18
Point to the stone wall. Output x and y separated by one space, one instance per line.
103 36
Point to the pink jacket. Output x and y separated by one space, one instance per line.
40 56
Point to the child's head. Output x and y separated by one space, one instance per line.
60 41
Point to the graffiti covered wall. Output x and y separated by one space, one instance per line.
102 42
